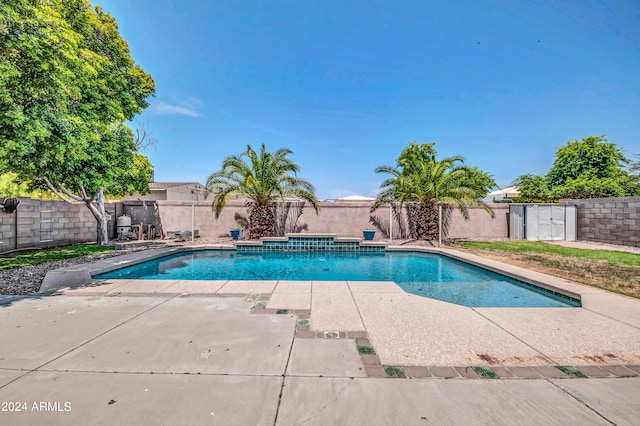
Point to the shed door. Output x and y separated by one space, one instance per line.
550 223
531 224
570 223
544 223
557 223
516 222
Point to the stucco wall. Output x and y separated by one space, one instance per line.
608 220
345 219
480 224
177 216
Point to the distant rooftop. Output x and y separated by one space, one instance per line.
164 185
510 192
355 198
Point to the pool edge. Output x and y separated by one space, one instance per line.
82 275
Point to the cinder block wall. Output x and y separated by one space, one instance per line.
7 231
71 224
608 220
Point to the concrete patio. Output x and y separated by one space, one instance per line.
283 352
172 360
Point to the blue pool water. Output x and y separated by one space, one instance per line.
429 275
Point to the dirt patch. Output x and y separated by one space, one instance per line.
491 360
595 273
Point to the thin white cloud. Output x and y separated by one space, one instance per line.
282 134
182 108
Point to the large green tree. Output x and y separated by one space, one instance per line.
419 177
634 170
634 167
68 85
588 168
263 177
11 187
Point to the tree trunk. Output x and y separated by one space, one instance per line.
103 236
101 217
97 211
427 220
411 221
261 221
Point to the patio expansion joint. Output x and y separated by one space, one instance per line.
580 401
358 309
611 318
99 335
515 337
153 373
325 406
26 372
284 375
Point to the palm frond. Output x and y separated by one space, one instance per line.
261 176
420 177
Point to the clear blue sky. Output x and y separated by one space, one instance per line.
346 84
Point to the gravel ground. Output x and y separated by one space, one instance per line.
27 280
22 281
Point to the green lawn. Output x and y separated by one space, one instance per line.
614 258
18 260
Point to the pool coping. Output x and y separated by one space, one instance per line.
82 275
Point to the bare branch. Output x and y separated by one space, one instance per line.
94 210
142 138
72 195
62 197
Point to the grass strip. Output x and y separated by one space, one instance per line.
614 258
36 257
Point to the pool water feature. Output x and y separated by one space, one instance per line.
423 274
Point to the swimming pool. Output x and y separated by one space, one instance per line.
429 275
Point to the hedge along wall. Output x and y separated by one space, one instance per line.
608 220
70 223
345 219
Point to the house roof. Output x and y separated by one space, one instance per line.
510 192
165 185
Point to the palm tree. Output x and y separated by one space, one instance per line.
425 181
264 178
